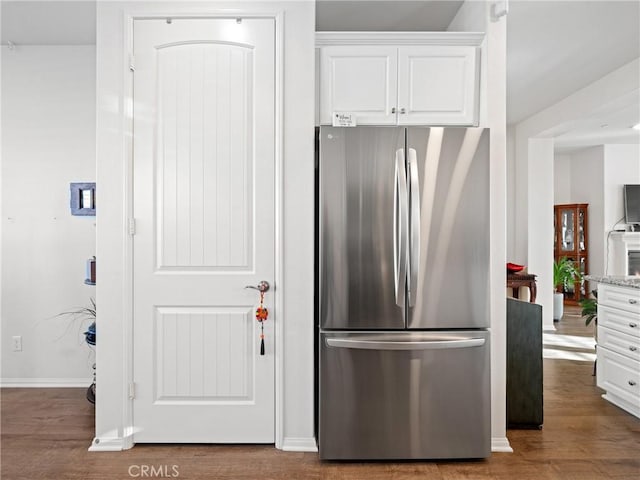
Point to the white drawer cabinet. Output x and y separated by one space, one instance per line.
399 84
620 377
619 342
624 298
618 366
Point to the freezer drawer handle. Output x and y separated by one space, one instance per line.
392 345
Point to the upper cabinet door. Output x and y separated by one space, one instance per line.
361 80
438 85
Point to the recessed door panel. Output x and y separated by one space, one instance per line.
204 355
204 158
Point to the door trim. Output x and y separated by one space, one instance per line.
129 17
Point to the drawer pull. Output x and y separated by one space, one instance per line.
632 301
633 349
632 383
633 325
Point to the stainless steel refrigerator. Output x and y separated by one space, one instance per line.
403 293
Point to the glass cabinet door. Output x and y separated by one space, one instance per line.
567 233
583 270
581 231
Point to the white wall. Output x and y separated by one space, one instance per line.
539 216
587 173
48 119
475 16
562 179
511 192
113 415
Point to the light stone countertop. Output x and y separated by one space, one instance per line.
619 280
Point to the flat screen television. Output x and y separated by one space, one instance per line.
632 204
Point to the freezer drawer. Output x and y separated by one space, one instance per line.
397 395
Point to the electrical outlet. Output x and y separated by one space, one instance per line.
17 343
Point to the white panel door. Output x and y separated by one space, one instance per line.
203 160
437 85
360 80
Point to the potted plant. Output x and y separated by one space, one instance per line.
85 315
565 273
590 309
590 314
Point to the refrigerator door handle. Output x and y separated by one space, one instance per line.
414 212
400 228
395 345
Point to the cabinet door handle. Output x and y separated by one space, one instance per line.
393 109
633 349
632 383
403 111
632 301
633 325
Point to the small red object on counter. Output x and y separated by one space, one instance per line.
514 267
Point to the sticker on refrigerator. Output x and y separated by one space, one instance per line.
344 119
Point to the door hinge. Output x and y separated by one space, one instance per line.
132 64
132 390
132 226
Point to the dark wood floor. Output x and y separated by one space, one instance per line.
46 432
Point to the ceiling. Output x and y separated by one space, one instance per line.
385 15
554 48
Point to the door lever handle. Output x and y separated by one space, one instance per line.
262 286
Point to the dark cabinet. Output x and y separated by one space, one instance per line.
524 364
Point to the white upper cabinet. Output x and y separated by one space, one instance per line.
437 85
407 81
361 80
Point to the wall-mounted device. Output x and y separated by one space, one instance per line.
632 205
83 198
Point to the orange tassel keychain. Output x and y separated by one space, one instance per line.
261 316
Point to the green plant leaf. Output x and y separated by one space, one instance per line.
565 273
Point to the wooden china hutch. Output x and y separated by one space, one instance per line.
571 240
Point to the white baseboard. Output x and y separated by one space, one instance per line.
45 382
297 444
501 444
